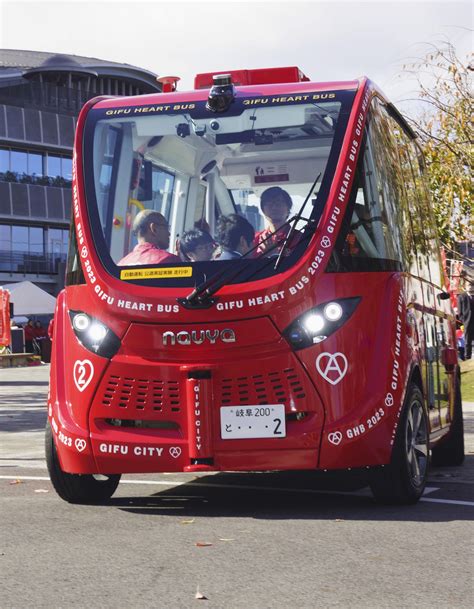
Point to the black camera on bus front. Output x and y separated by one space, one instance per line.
222 93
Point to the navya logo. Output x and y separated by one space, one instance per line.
199 337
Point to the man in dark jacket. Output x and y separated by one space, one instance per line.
235 236
466 317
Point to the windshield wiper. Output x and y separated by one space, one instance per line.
298 217
202 294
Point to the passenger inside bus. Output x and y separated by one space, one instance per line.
275 204
235 236
153 236
196 246
203 225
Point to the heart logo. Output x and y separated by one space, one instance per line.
325 242
332 367
335 437
389 400
80 444
175 451
83 373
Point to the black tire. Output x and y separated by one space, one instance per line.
76 488
403 480
450 451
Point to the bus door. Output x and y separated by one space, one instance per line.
439 379
431 358
425 267
446 376
437 310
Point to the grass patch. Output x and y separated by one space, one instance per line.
467 380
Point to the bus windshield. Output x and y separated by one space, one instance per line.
194 188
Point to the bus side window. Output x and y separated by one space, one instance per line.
373 237
430 233
413 220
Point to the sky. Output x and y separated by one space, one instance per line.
327 40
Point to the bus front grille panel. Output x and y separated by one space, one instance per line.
278 387
140 394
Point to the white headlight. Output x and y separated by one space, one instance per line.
81 322
333 311
97 332
314 323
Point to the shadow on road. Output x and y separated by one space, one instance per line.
16 419
282 496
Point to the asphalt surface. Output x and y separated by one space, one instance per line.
250 541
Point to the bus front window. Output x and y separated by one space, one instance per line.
222 185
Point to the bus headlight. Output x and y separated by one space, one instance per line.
94 335
81 322
318 323
333 311
313 323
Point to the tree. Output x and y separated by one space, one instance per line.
446 135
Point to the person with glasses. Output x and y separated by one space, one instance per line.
196 246
153 236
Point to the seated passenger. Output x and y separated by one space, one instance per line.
196 246
275 204
235 236
153 235
203 224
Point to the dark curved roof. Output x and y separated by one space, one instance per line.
15 63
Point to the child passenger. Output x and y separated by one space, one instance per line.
196 246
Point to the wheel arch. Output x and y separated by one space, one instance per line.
416 378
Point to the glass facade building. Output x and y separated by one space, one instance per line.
41 95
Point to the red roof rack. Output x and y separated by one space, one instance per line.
263 76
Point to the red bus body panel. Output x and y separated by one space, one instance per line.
342 397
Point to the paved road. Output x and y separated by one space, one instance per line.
276 540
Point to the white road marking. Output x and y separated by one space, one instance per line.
156 482
451 481
24 478
448 501
32 404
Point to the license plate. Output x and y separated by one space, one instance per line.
253 421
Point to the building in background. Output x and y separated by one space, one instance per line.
40 98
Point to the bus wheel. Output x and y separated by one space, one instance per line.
77 488
403 480
451 450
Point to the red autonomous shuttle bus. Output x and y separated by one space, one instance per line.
334 348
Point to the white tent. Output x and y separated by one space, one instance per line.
29 299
